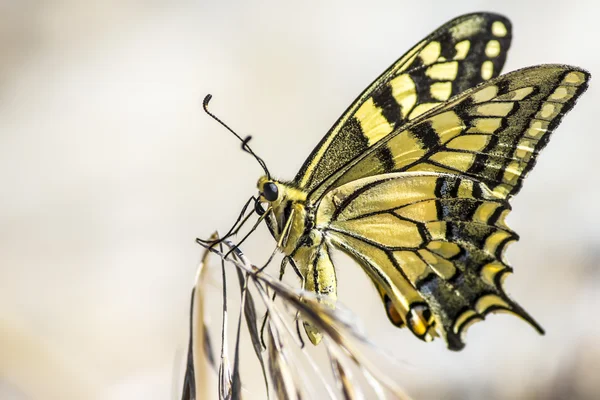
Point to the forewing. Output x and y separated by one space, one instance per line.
491 133
432 243
462 53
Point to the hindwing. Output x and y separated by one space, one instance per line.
462 53
432 243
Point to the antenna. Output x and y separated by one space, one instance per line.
244 141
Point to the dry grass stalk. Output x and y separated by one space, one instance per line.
283 374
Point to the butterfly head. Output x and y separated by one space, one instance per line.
277 201
269 201
277 194
270 192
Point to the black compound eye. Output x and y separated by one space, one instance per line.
259 208
270 191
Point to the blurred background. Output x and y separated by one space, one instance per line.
109 170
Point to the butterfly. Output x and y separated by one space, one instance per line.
413 181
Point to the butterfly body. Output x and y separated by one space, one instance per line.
413 182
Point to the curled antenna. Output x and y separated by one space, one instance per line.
244 141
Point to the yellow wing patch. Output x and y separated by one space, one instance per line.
372 122
499 29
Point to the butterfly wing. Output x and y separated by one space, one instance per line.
433 243
428 227
462 53
491 133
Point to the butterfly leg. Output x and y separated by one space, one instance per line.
303 284
284 262
280 243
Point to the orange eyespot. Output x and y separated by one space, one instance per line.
392 312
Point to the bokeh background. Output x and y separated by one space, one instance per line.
109 170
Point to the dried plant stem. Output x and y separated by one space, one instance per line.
198 346
285 374
326 320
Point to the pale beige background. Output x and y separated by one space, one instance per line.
109 170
